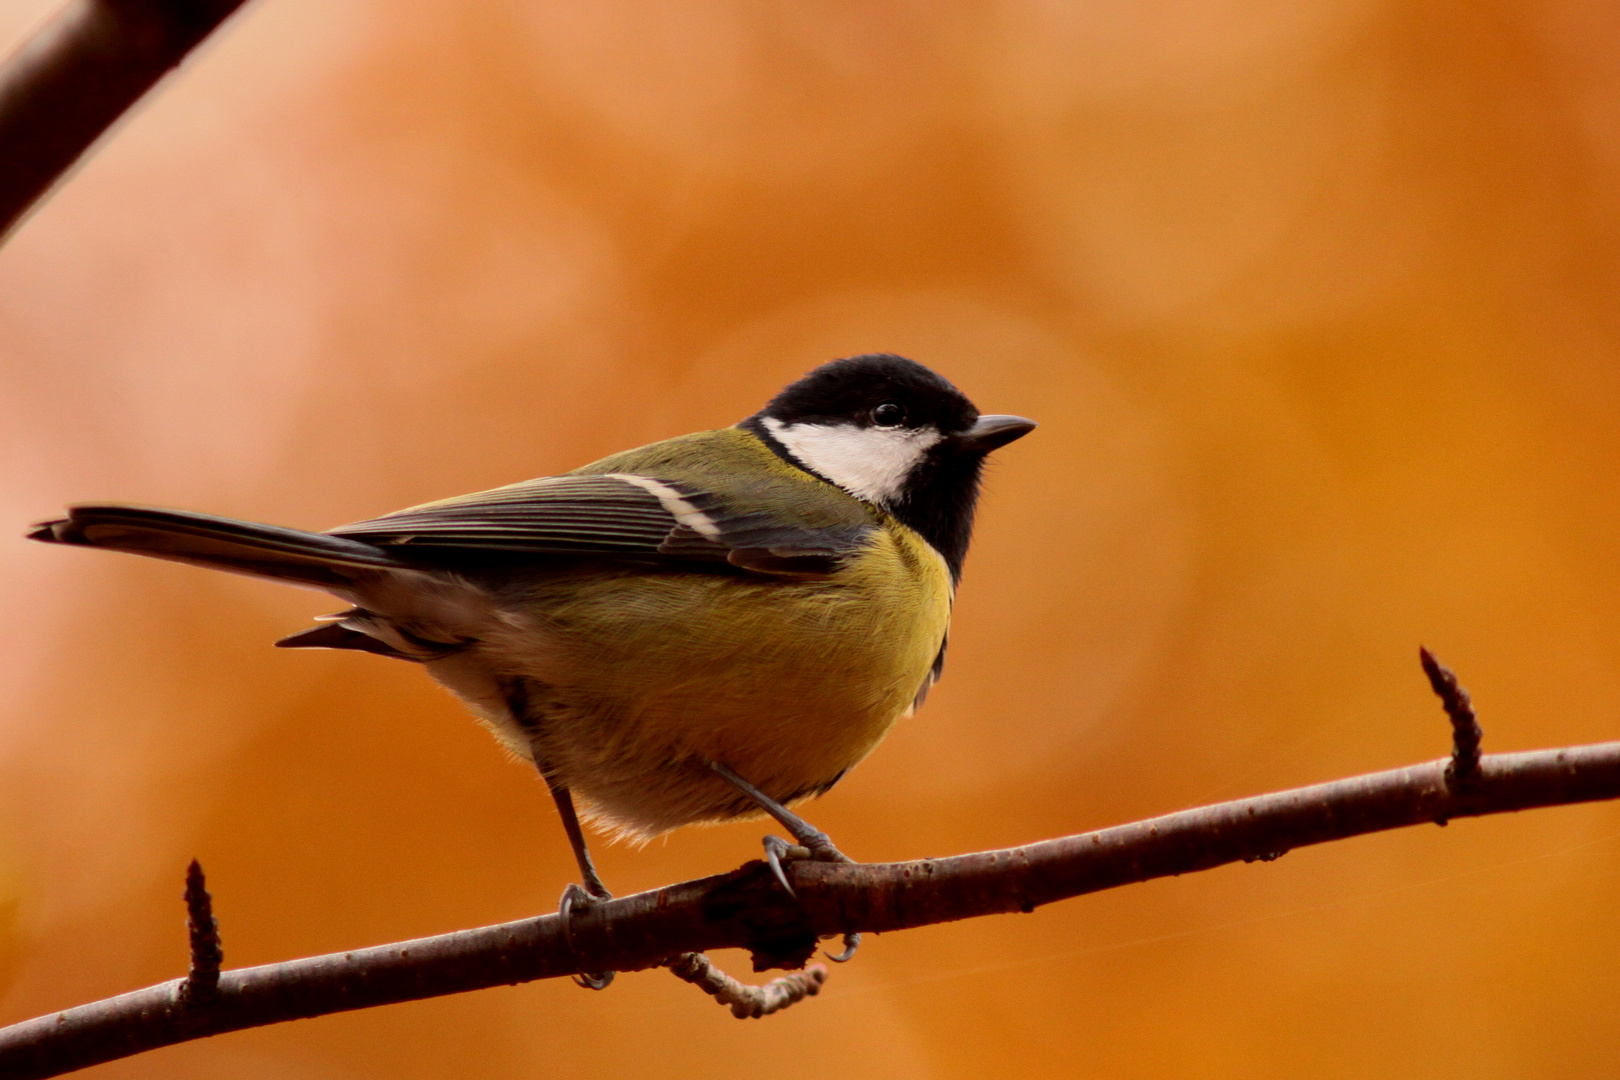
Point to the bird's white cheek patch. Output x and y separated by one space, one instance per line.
870 463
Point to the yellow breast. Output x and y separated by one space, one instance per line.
649 673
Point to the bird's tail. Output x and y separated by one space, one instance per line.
243 547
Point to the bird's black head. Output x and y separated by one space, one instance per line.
893 433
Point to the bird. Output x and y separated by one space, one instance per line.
712 627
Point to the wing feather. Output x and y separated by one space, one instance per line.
606 515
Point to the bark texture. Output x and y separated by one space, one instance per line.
747 909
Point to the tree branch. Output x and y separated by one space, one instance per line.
202 981
747 909
80 72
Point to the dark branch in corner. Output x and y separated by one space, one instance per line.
78 74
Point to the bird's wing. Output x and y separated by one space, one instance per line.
612 515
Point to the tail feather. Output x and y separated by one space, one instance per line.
242 547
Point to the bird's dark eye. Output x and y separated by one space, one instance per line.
889 414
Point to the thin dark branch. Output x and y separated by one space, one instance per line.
80 72
1466 733
747 908
207 953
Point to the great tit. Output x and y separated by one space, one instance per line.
693 631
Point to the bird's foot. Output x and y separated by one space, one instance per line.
851 943
778 849
576 898
810 843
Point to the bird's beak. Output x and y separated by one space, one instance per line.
994 431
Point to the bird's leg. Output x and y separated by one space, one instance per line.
812 843
574 897
576 838
816 843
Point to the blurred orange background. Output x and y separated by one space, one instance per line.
1315 300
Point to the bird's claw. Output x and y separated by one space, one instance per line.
851 943
813 846
776 849
575 898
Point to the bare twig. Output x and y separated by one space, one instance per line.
80 72
747 1002
1465 730
748 909
202 982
